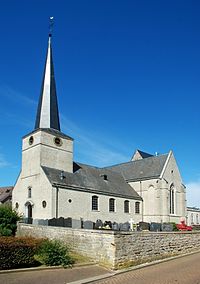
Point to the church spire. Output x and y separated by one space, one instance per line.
47 112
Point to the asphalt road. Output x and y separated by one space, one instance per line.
184 270
52 276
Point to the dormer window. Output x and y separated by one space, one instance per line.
104 176
62 175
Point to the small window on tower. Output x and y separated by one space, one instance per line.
44 204
30 141
29 192
58 141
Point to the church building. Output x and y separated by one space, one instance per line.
51 185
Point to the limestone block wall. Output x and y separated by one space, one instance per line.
139 247
98 245
118 249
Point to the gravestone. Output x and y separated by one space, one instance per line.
115 226
52 222
76 224
88 225
108 224
43 222
98 224
167 227
155 227
144 226
125 226
68 222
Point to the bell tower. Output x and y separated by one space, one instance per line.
47 145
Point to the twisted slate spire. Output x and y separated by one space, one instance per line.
47 112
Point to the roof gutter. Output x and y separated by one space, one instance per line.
95 191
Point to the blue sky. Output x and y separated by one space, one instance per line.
127 74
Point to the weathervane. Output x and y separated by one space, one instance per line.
51 22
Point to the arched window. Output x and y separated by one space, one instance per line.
197 219
192 218
172 200
126 206
95 202
111 205
137 207
29 192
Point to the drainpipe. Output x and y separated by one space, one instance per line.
57 189
142 201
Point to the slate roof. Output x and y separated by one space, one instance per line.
50 131
91 179
5 194
144 155
53 111
147 168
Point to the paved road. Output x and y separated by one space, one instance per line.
185 270
52 276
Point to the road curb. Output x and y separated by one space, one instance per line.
118 272
38 268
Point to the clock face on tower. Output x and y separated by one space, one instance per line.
57 141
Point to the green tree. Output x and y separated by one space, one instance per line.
8 220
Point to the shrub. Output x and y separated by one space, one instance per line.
8 221
18 252
53 253
174 226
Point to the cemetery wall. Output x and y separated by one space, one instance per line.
96 244
118 249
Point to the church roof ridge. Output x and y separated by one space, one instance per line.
130 162
141 169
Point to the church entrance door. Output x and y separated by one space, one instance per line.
29 209
30 219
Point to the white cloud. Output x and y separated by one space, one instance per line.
3 162
193 194
92 148
14 95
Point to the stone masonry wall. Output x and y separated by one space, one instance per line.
118 249
139 247
98 245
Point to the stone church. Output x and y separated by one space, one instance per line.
51 185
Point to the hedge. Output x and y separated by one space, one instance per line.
18 252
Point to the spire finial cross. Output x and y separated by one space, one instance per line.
51 23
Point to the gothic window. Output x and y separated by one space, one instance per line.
192 218
95 202
111 205
137 207
172 200
29 192
126 206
